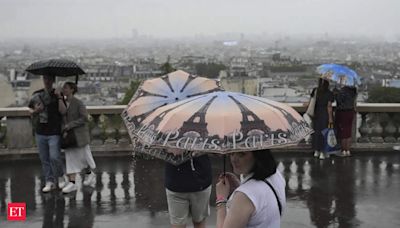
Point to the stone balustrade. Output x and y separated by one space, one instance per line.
377 127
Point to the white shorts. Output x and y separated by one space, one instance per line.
181 205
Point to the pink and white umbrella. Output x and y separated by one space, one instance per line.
158 92
221 122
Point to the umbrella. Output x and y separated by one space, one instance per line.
56 67
222 122
340 74
175 159
155 93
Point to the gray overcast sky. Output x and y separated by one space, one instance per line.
174 18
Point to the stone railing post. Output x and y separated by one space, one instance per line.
96 131
2 133
19 132
354 128
378 123
390 130
376 129
123 136
365 130
110 131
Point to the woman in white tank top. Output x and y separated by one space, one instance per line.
258 199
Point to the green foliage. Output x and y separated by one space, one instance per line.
115 121
167 67
210 70
130 92
3 133
384 95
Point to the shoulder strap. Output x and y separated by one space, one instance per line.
313 92
276 196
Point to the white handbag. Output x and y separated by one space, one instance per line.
311 105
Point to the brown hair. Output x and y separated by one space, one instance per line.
72 86
265 164
323 86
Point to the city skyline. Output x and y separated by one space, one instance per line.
103 19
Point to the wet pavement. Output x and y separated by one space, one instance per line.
360 191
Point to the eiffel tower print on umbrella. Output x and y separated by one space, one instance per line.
155 93
222 122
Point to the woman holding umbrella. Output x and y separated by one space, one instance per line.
230 123
47 108
259 199
345 98
323 115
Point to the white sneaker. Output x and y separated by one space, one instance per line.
48 187
89 179
396 147
348 153
316 153
321 156
69 188
61 182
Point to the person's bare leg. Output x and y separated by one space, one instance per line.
348 143
201 224
178 226
71 177
343 145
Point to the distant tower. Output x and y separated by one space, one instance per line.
276 46
135 34
326 36
241 37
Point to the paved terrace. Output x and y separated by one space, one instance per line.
359 191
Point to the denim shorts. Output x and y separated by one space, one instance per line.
181 205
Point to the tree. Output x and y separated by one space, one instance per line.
210 70
384 95
167 67
130 92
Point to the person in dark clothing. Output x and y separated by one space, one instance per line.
346 99
47 107
188 189
323 115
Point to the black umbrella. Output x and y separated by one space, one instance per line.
56 67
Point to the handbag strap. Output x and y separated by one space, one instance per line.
65 116
276 196
314 93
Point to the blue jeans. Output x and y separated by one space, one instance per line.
50 156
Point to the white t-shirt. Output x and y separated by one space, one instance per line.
266 214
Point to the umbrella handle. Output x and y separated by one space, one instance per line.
224 164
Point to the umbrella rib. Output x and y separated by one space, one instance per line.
167 81
272 108
216 88
179 106
188 81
